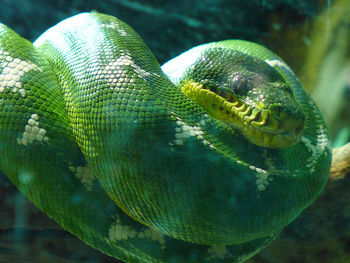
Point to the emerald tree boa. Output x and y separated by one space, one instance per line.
205 159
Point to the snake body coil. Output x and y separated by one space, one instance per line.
206 162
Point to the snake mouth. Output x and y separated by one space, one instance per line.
264 126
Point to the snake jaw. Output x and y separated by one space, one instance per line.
270 127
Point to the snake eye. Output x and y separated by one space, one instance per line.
239 83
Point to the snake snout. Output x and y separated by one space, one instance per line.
283 127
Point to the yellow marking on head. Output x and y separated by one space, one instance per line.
255 122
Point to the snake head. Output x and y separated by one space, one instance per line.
248 94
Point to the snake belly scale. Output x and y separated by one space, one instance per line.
206 159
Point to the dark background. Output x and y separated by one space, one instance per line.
171 27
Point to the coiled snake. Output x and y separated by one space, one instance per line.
206 159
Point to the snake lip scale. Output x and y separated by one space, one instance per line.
268 126
203 159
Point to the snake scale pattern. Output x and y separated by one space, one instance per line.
205 159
